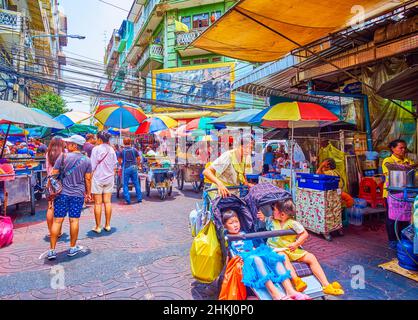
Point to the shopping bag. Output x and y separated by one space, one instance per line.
6 231
206 255
232 286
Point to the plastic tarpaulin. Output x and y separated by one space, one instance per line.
389 121
331 152
239 34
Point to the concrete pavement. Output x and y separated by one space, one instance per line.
146 256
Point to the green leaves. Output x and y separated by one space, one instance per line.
50 103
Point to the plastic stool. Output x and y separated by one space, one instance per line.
372 192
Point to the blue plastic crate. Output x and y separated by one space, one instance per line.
252 177
317 181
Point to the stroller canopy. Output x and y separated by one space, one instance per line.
264 194
220 205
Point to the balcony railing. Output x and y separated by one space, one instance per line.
146 12
10 19
184 39
153 51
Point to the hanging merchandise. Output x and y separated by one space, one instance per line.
232 286
206 255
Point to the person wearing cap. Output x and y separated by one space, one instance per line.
103 161
76 188
230 168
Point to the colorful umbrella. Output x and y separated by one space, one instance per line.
42 112
203 123
237 118
294 115
119 114
155 124
14 130
70 118
12 112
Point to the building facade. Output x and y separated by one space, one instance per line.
150 56
32 35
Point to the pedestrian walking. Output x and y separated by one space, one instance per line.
55 149
104 161
76 188
130 161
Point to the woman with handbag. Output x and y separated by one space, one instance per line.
55 149
103 161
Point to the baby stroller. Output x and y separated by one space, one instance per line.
258 197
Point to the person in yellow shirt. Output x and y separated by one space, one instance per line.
398 148
230 169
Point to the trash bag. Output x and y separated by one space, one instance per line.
232 286
6 231
206 255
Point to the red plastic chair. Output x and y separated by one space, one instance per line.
372 192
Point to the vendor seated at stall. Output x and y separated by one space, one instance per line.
329 168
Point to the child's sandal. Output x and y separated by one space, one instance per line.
329 289
336 285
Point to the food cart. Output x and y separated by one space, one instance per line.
25 184
191 173
159 176
18 184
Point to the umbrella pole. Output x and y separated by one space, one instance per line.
5 141
120 128
291 161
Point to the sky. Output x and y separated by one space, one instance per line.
96 21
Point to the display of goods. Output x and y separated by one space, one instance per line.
6 168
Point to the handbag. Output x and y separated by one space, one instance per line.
54 183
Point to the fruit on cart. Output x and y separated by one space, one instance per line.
6 168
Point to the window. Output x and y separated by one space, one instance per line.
186 63
197 61
200 21
204 60
217 59
215 16
187 21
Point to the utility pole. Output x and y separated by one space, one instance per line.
21 61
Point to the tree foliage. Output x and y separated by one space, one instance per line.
50 103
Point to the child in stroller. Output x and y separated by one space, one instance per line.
281 219
262 266
249 223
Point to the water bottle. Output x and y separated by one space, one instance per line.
356 216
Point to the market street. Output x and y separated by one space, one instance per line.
146 256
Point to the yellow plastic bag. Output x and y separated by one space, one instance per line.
206 255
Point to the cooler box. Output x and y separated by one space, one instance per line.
319 211
320 182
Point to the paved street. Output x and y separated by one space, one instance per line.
146 256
